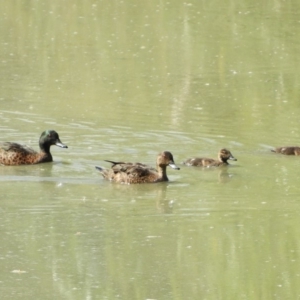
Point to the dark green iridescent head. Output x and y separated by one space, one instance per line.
49 138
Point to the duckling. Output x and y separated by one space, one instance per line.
287 150
223 156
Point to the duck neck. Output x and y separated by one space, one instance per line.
162 172
45 147
223 159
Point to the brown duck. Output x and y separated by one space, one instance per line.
223 156
12 154
287 150
130 173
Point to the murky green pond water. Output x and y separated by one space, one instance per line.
124 80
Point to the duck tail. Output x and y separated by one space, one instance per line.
114 163
99 168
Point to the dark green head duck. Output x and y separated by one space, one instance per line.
130 173
13 154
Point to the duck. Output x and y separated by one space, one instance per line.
13 154
291 150
223 156
133 173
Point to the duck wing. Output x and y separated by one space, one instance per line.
130 167
138 170
203 162
16 148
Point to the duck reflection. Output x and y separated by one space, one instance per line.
155 195
164 204
224 176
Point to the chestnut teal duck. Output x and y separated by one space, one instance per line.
287 150
12 154
223 156
131 173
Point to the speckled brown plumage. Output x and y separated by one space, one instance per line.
287 150
223 156
131 173
12 154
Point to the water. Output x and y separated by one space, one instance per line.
124 81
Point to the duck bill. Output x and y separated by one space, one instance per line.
60 144
173 166
232 158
